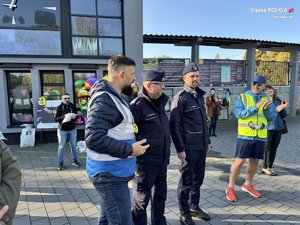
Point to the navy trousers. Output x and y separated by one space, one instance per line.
192 176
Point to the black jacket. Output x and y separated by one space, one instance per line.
188 121
102 116
61 111
153 124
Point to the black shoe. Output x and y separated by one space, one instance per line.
60 166
76 163
214 135
200 214
186 220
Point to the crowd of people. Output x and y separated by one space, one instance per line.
129 138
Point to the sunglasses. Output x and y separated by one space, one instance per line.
256 84
66 98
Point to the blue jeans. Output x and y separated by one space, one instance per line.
115 206
63 137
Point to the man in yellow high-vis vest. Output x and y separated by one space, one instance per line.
253 110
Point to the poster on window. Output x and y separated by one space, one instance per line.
45 113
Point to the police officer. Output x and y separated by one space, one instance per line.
153 124
189 131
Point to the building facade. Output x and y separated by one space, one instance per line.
48 45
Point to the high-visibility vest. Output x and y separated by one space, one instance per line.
256 124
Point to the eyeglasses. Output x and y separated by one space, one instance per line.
256 83
158 83
66 98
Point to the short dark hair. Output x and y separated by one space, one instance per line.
65 94
116 61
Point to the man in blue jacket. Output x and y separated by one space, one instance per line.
253 109
109 135
188 126
149 114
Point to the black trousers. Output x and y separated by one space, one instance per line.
272 143
213 121
192 176
150 182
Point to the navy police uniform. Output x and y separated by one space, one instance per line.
189 131
153 125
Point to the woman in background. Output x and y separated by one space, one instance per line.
274 132
213 111
136 91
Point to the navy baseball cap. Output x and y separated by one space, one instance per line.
260 79
190 68
153 75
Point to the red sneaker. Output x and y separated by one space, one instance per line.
230 194
251 190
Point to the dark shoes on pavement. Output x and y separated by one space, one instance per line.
186 220
76 163
200 214
60 166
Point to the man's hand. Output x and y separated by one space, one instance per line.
138 148
261 102
267 105
3 211
181 156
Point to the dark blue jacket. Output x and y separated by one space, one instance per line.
277 123
153 124
188 121
104 115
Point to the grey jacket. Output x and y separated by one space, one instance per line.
10 182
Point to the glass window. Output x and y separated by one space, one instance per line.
110 27
83 81
109 7
110 46
30 42
83 7
84 46
84 26
20 97
31 14
53 84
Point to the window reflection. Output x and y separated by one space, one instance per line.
20 97
110 46
110 27
53 85
83 7
84 46
84 26
109 7
30 42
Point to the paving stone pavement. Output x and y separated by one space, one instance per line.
53 197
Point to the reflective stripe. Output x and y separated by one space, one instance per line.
101 157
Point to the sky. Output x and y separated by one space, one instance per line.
271 20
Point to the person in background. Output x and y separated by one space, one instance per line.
110 140
213 110
149 114
10 184
136 91
274 132
254 109
189 131
65 115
